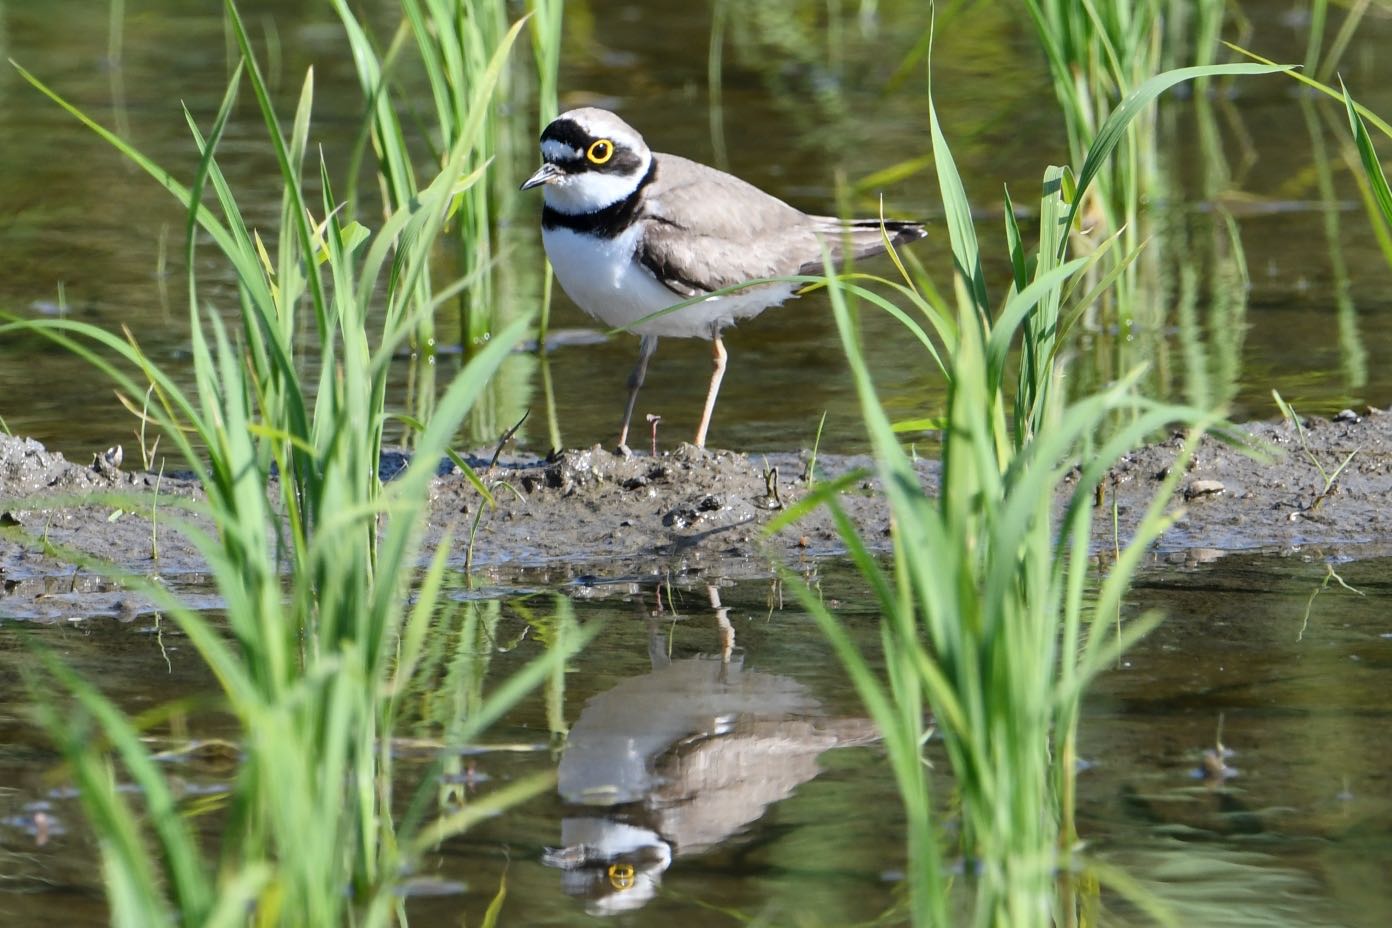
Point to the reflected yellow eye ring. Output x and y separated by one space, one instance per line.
621 876
600 151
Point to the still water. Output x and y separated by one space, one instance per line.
85 233
1300 834
744 783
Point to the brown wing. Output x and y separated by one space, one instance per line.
705 229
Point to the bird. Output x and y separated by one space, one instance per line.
630 232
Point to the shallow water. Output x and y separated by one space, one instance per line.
773 803
1298 836
83 233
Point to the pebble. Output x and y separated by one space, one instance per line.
1199 488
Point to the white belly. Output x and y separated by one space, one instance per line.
602 278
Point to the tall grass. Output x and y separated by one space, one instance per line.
444 54
315 559
988 619
1353 349
1097 54
439 53
452 40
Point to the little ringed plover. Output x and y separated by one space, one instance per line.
630 232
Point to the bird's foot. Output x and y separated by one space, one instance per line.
690 451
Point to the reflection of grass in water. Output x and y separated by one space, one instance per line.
450 691
1203 254
814 62
505 401
1373 187
326 616
1353 354
1213 346
1352 350
1209 884
1097 53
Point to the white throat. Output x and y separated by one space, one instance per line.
590 191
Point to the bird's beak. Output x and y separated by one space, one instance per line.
546 174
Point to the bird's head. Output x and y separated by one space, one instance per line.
590 159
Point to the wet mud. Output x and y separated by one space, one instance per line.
592 517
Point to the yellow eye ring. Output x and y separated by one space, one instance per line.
621 876
600 151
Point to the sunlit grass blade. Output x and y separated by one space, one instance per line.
1111 132
179 850
1372 166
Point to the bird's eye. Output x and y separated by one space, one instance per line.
600 151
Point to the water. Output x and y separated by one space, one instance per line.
89 226
790 814
1298 836
1291 683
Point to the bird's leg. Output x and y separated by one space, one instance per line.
646 346
718 362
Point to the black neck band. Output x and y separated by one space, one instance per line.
604 223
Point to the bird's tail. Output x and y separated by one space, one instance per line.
861 238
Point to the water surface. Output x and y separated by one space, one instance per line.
812 833
802 106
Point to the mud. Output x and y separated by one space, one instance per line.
593 518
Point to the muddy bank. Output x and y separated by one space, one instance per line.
587 517
591 517
1275 494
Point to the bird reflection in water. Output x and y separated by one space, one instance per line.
671 763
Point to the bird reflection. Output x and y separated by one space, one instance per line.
675 761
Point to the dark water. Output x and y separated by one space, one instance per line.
802 106
1299 836
790 815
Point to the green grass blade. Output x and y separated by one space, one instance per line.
1111 133
1372 166
180 852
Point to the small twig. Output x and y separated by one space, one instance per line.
1330 574
478 514
507 437
473 535
671 596
154 516
147 450
1214 766
42 828
478 519
809 475
1330 478
775 597
159 640
771 484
